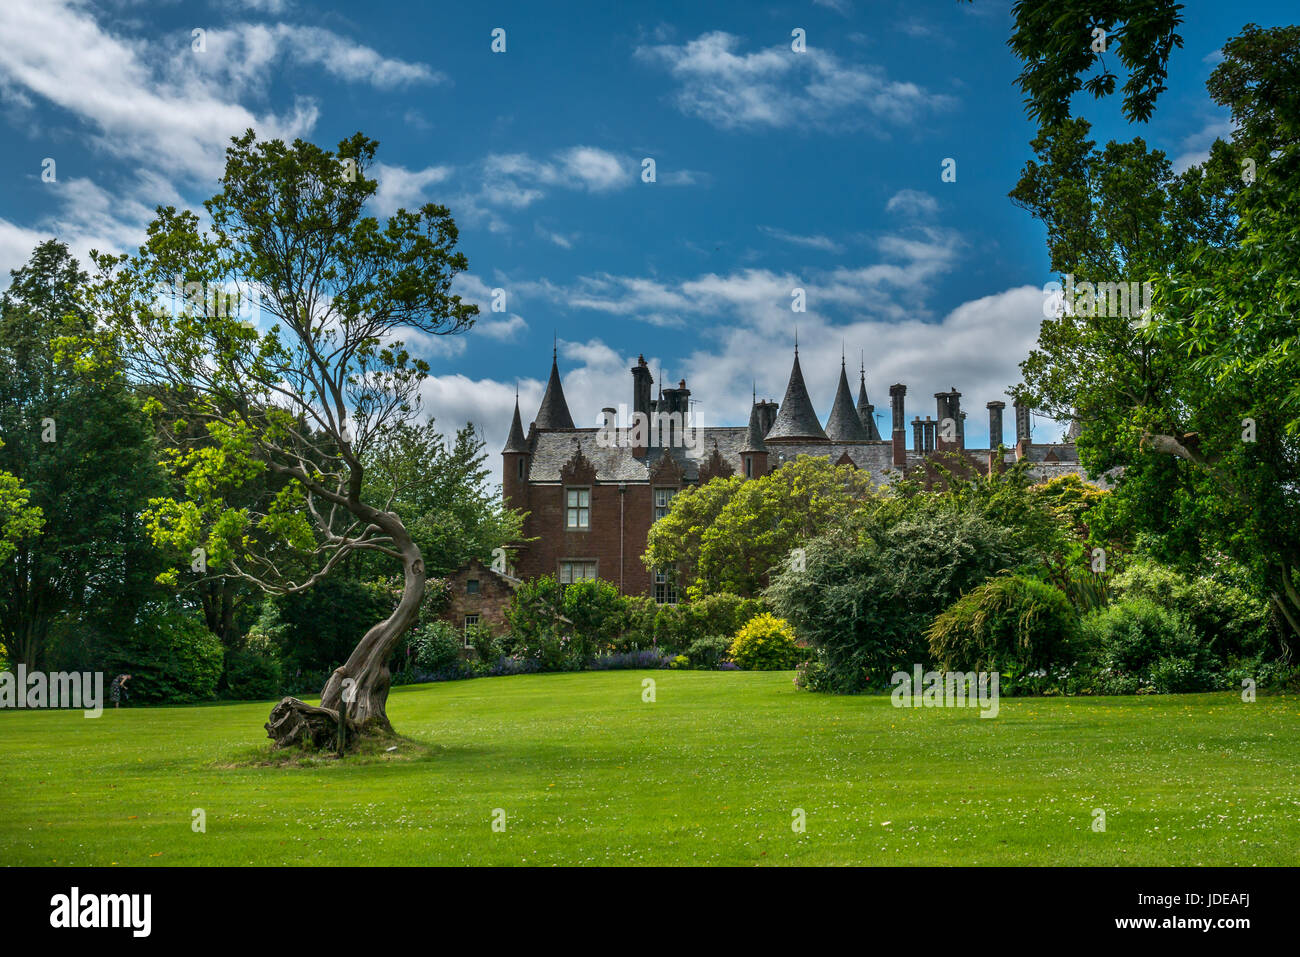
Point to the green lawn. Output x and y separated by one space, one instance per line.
712 772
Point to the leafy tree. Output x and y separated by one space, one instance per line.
1058 42
308 393
18 520
676 540
442 494
77 465
731 533
1198 399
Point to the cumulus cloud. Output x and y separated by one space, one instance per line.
163 107
400 187
912 203
776 87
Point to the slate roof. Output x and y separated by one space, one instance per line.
796 419
875 458
867 411
554 411
754 433
551 450
516 441
845 425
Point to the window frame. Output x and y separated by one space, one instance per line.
580 491
662 579
654 501
571 562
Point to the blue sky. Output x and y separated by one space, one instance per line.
774 170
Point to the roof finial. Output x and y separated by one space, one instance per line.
796 340
555 346
842 360
755 391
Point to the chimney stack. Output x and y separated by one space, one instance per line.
641 383
995 423
1023 429
948 406
896 393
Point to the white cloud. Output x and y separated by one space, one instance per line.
559 239
912 203
165 109
843 7
776 87
244 51
824 243
976 348
518 180
1196 146
400 187
179 123
503 330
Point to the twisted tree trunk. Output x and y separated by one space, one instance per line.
359 687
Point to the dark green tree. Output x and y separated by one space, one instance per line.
76 439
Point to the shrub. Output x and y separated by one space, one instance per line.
1009 624
170 656
597 614
550 646
765 643
317 630
1229 621
811 676
708 652
678 627
681 661
252 673
638 623
437 647
487 647
1139 645
868 593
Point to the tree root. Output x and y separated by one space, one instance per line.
297 724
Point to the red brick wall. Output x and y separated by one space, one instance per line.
555 543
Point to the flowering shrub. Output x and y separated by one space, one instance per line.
645 658
766 643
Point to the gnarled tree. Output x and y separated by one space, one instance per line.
274 334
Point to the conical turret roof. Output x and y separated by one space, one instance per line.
844 425
867 411
796 419
516 441
754 434
554 411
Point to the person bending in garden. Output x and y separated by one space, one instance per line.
117 690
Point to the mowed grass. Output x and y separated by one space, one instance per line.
712 772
